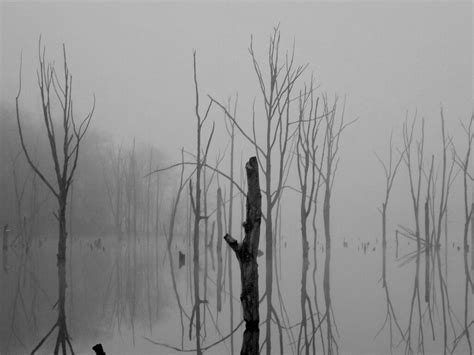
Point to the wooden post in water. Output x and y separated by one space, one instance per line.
246 253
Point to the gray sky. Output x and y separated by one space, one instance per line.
137 59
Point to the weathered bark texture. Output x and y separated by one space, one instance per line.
246 253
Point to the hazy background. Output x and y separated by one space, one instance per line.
386 57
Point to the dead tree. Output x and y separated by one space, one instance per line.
445 184
427 235
246 253
390 171
277 97
415 173
333 129
131 193
219 249
157 248
201 157
231 132
64 155
472 238
306 149
114 187
169 241
468 212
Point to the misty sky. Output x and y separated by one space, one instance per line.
137 59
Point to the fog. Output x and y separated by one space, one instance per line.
381 64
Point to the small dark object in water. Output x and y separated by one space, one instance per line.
285 244
373 249
98 243
260 253
182 259
459 248
99 350
344 244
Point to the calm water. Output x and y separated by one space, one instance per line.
117 299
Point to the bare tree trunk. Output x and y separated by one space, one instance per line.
133 170
268 261
304 295
206 251
472 239
219 250
72 134
246 253
61 262
157 249
147 252
327 265
427 237
6 231
231 203
427 252
384 245
196 204
277 101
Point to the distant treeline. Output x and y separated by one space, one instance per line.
110 193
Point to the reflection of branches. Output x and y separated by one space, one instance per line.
390 170
204 348
65 156
182 184
460 336
415 296
415 173
444 298
306 149
390 319
273 152
468 211
327 171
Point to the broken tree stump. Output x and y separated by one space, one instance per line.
247 252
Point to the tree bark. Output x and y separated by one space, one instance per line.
61 261
246 253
